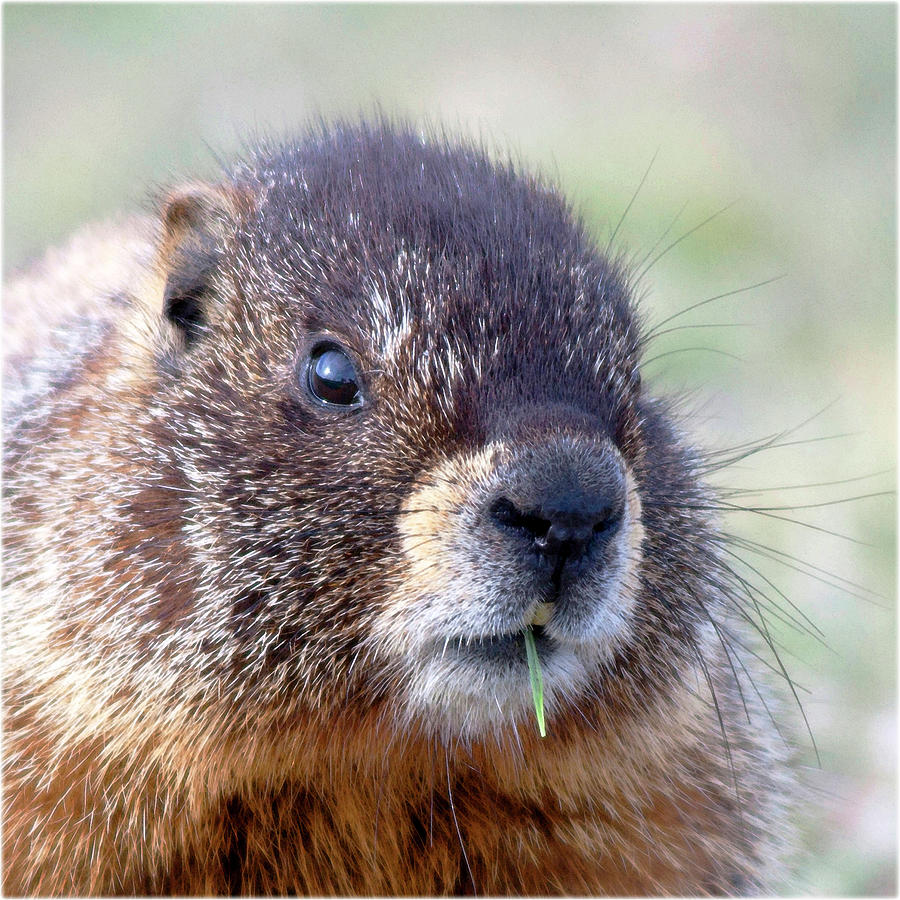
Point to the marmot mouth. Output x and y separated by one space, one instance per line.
506 648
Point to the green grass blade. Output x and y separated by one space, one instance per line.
537 681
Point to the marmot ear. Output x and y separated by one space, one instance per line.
196 220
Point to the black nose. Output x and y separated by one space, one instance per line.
566 528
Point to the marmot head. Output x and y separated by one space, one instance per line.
403 398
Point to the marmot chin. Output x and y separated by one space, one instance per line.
289 474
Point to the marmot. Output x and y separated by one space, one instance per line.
293 470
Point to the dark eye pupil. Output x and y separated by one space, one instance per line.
332 377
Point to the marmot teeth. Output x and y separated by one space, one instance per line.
543 613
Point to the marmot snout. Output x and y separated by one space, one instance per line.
542 532
280 506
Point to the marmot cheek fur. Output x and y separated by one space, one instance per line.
290 474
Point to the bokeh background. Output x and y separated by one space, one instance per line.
781 119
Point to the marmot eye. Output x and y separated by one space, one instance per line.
332 377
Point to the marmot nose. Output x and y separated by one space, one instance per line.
564 531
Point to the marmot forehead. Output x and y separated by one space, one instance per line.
378 234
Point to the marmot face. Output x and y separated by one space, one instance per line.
408 413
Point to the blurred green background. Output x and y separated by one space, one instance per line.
785 112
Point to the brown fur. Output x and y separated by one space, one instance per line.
214 615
